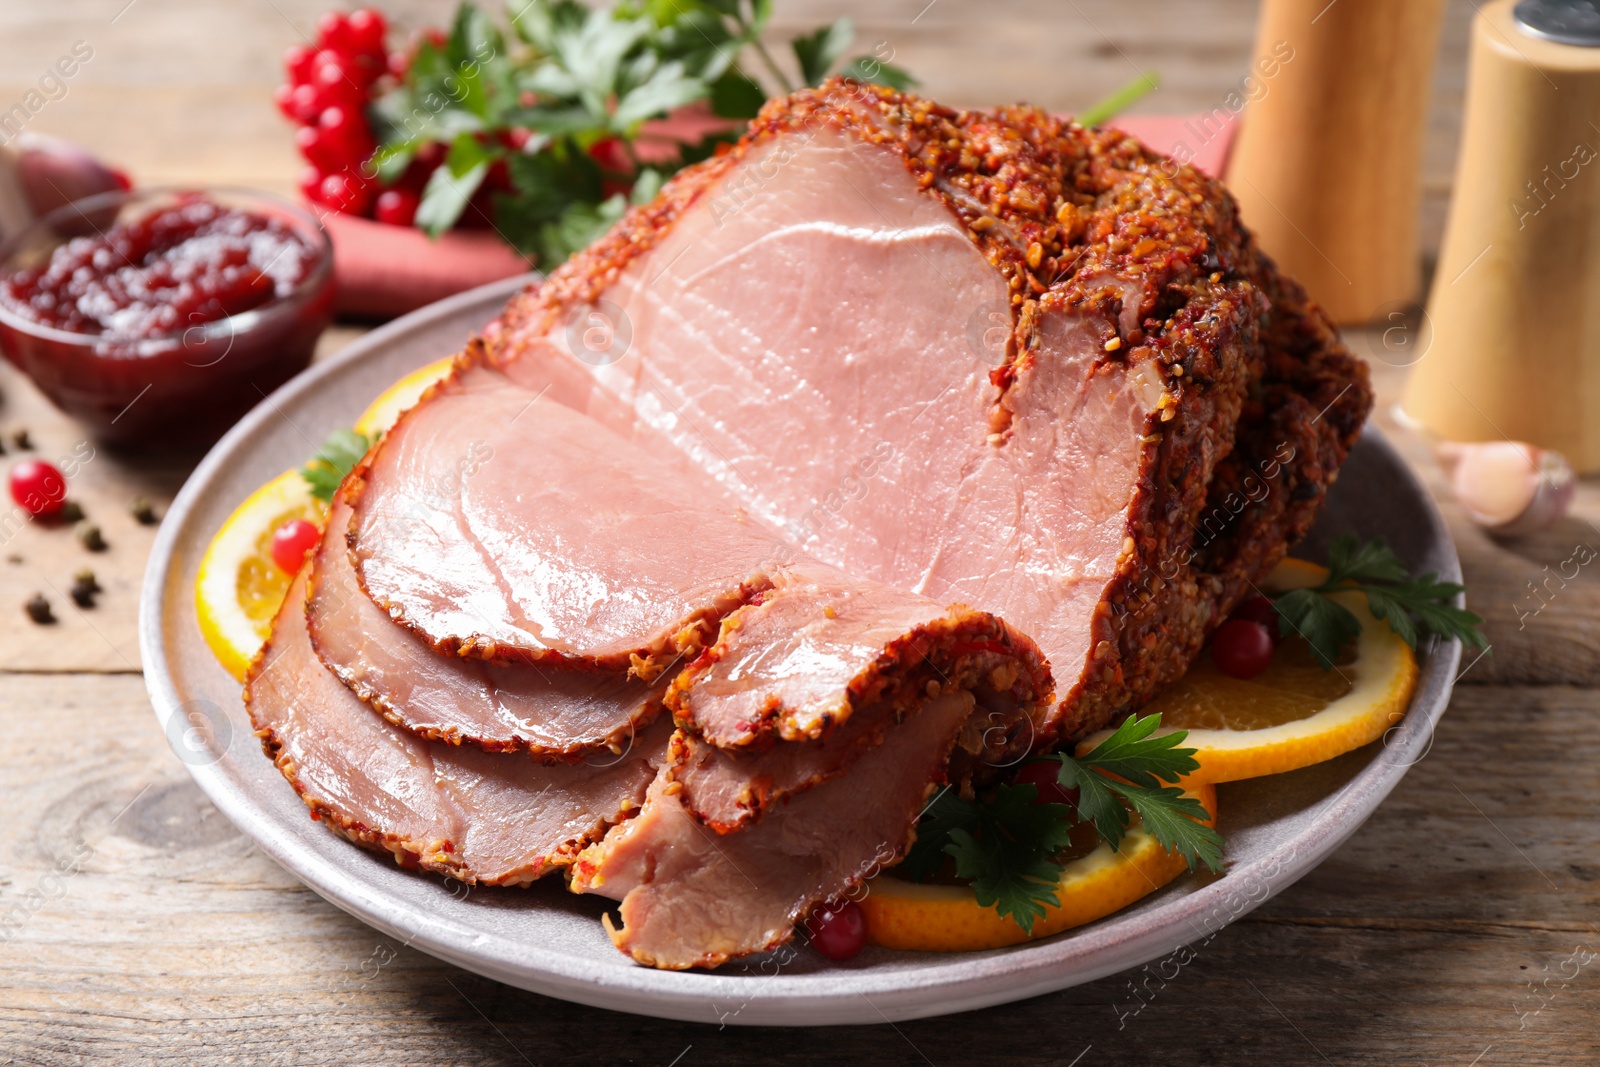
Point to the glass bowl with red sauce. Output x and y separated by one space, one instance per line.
160 316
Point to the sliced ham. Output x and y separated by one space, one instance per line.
548 712
691 898
987 357
461 811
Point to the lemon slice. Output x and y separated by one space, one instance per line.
1294 713
239 587
948 918
382 412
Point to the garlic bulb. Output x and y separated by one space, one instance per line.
1509 488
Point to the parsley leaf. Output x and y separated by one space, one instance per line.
1009 858
336 458
1411 606
1007 845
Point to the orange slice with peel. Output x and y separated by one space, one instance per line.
239 588
948 918
1294 713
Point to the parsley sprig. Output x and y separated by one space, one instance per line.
1007 845
336 458
1411 605
581 82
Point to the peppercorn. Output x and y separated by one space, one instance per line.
84 588
71 511
89 536
22 440
38 609
144 512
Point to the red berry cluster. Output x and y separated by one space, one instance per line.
327 93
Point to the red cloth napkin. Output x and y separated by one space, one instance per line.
384 271
1202 141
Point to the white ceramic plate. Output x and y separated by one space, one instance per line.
550 941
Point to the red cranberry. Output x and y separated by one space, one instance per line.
291 542
1241 648
838 930
346 136
1259 609
399 63
344 193
1042 774
304 103
314 145
364 29
38 487
310 183
612 155
396 207
333 32
338 83
297 61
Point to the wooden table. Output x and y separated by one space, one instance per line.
1457 927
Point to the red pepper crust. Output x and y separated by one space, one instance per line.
962 650
439 856
1089 221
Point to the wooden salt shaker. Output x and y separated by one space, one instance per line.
1328 162
1515 308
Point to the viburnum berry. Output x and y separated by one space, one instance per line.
333 32
612 155
1043 775
38 487
396 207
298 63
291 542
346 136
314 145
310 183
1241 648
365 29
838 929
304 103
346 193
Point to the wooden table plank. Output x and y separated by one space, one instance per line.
138 927
176 941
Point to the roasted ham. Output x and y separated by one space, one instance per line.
809 451
548 713
988 357
456 810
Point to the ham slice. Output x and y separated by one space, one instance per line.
461 811
691 898
987 357
581 524
549 713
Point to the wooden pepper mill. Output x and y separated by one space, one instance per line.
1515 308
1327 168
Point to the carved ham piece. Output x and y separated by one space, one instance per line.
461 811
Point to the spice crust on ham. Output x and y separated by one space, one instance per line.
1245 399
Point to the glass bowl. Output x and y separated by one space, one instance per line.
186 387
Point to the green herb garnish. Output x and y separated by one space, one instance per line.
336 458
579 83
1007 845
1410 605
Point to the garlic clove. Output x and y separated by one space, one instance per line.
1509 488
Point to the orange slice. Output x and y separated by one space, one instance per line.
1294 713
239 587
948 918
